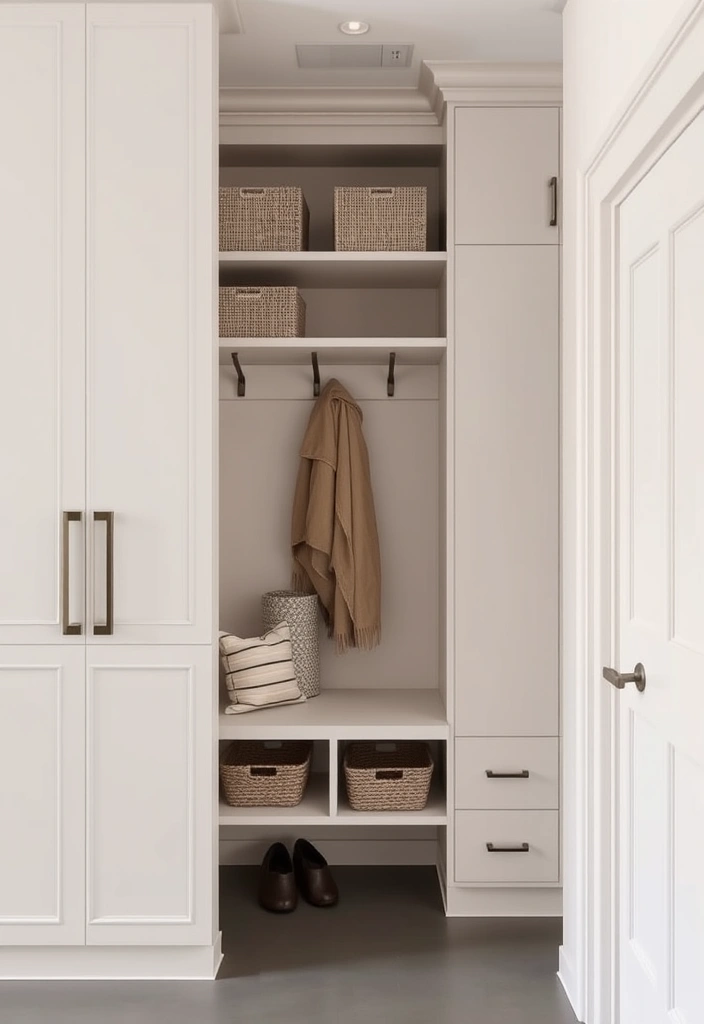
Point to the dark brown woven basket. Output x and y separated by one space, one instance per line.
256 775
268 219
388 776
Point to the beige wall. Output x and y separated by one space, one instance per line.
609 46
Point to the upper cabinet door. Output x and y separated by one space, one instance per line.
42 315
506 163
151 79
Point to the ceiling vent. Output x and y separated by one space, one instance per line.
355 55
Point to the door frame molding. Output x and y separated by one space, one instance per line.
668 97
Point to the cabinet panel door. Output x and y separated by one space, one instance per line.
505 158
150 795
150 320
506 490
42 795
42 313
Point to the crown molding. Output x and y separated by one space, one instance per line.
440 82
316 106
452 81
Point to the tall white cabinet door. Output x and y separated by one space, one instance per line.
505 161
150 795
42 454
151 79
506 540
42 795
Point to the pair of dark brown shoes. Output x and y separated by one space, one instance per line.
281 879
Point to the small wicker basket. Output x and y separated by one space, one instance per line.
381 219
263 219
388 776
265 774
262 313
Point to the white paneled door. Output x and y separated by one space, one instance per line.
150 304
661 589
150 791
42 795
42 317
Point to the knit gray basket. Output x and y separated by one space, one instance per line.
300 611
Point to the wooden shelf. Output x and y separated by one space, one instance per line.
376 714
434 812
332 351
334 269
314 809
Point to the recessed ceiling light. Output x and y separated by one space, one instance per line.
354 28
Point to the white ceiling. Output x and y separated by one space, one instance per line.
257 46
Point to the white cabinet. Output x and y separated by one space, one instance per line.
42 795
149 795
150 204
107 205
507 491
42 312
506 167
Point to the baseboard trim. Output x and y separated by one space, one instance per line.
566 977
500 902
111 963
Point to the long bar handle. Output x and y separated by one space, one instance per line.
507 775
68 628
553 202
109 519
520 848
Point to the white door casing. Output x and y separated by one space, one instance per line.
661 588
149 803
42 796
42 387
150 306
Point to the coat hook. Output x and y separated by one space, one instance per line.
316 374
240 375
391 380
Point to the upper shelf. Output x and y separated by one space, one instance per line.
334 269
346 714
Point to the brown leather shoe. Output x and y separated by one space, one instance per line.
314 878
277 885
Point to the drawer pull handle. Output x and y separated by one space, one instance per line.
507 775
521 848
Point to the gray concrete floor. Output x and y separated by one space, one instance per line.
386 954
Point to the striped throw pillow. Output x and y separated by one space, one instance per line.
259 670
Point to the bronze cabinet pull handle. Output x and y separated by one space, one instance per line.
519 848
507 775
68 628
109 519
553 202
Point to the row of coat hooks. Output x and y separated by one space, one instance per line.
242 382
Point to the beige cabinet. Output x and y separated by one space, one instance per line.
507 163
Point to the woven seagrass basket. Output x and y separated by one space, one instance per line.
381 219
300 611
261 313
263 219
262 774
388 776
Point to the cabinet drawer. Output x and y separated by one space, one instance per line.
535 760
524 846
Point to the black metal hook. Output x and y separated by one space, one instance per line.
391 380
241 383
316 374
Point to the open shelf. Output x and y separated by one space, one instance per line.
314 808
333 351
434 812
334 269
347 714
